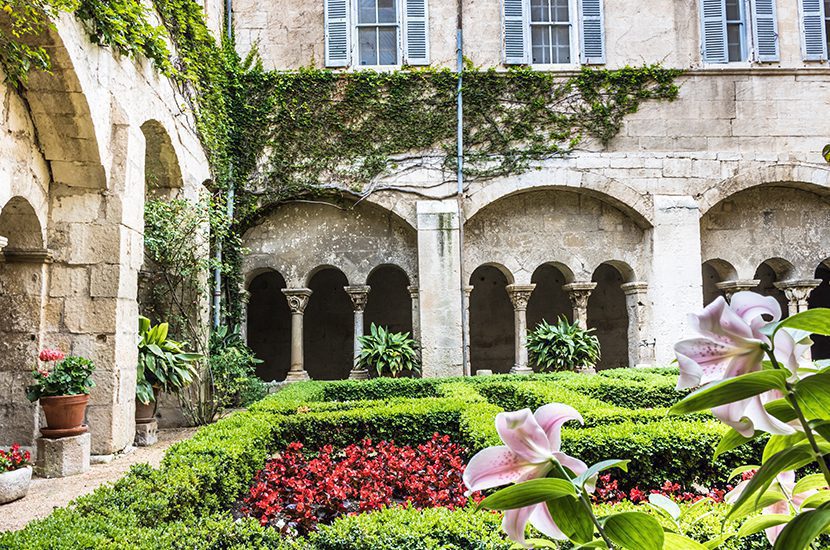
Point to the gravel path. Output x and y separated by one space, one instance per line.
47 494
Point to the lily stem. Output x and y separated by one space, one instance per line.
586 503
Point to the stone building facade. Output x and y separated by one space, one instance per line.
79 145
722 190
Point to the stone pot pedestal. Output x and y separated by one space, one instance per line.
146 433
63 457
15 484
586 370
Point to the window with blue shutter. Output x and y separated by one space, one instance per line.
416 32
765 30
713 31
592 32
813 30
337 33
514 25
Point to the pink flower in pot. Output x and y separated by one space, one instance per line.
532 443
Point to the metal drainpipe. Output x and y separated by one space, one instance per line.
460 191
217 272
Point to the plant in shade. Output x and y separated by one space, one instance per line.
564 346
14 459
552 491
69 376
755 377
388 353
162 363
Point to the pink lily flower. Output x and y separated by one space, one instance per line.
785 482
531 442
730 344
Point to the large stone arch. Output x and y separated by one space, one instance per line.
576 229
163 175
297 238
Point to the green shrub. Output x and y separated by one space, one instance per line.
379 388
653 392
387 353
396 528
564 346
235 383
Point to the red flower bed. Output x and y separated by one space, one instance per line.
293 492
608 492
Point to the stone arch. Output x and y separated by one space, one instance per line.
20 225
549 300
329 326
608 315
389 302
808 177
715 271
491 320
770 272
577 228
820 297
268 324
162 172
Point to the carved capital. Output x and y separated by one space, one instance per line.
297 298
520 295
634 288
359 296
729 288
468 290
579 293
413 292
798 290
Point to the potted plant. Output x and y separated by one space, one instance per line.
564 346
388 353
63 392
163 365
15 473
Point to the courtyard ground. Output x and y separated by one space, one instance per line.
47 494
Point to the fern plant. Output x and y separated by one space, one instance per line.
388 353
564 346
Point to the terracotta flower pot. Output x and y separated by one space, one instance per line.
15 484
144 414
64 415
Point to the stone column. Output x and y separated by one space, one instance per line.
730 288
416 313
297 302
579 292
797 292
359 296
468 367
640 347
520 295
439 288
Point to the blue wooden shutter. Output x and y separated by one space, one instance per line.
515 32
416 32
337 33
765 30
592 32
713 31
813 40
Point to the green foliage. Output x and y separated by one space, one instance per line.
379 388
564 346
71 376
162 362
388 353
233 367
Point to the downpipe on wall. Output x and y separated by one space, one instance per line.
465 333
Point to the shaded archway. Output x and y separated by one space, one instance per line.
770 272
162 174
22 276
389 304
549 301
328 326
269 325
714 272
491 321
820 297
608 316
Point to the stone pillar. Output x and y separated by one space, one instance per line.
640 346
439 280
520 295
297 302
675 279
730 288
797 292
579 292
359 296
416 313
468 368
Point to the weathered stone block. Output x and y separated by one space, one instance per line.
146 434
66 456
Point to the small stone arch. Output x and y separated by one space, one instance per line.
268 323
624 269
715 271
20 225
322 267
328 335
491 319
820 297
608 314
549 301
771 272
389 302
162 172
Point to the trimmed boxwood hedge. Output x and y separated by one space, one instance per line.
186 500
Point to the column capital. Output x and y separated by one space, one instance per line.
359 295
519 295
579 292
27 255
634 288
468 290
739 285
297 298
798 285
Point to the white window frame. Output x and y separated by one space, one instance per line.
576 55
746 24
355 49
